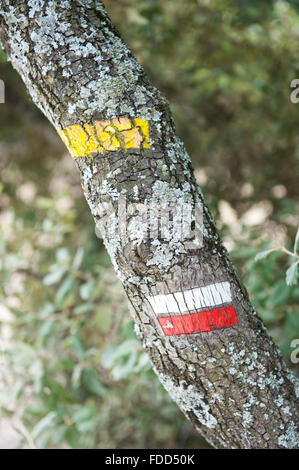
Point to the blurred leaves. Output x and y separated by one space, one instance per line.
74 365
226 68
292 274
292 271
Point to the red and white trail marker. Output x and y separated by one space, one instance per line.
195 310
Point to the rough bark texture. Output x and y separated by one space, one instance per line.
231 382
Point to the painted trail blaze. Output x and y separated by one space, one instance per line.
106 136
206 320
195 310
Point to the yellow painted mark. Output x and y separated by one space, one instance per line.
105 136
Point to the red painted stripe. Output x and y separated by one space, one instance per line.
202 321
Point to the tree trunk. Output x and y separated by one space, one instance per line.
207 345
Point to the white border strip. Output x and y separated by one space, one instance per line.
193 299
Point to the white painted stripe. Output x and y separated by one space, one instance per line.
192 299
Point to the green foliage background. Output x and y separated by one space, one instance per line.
72 373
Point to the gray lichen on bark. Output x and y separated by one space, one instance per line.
231 383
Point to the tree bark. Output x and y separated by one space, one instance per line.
214 356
